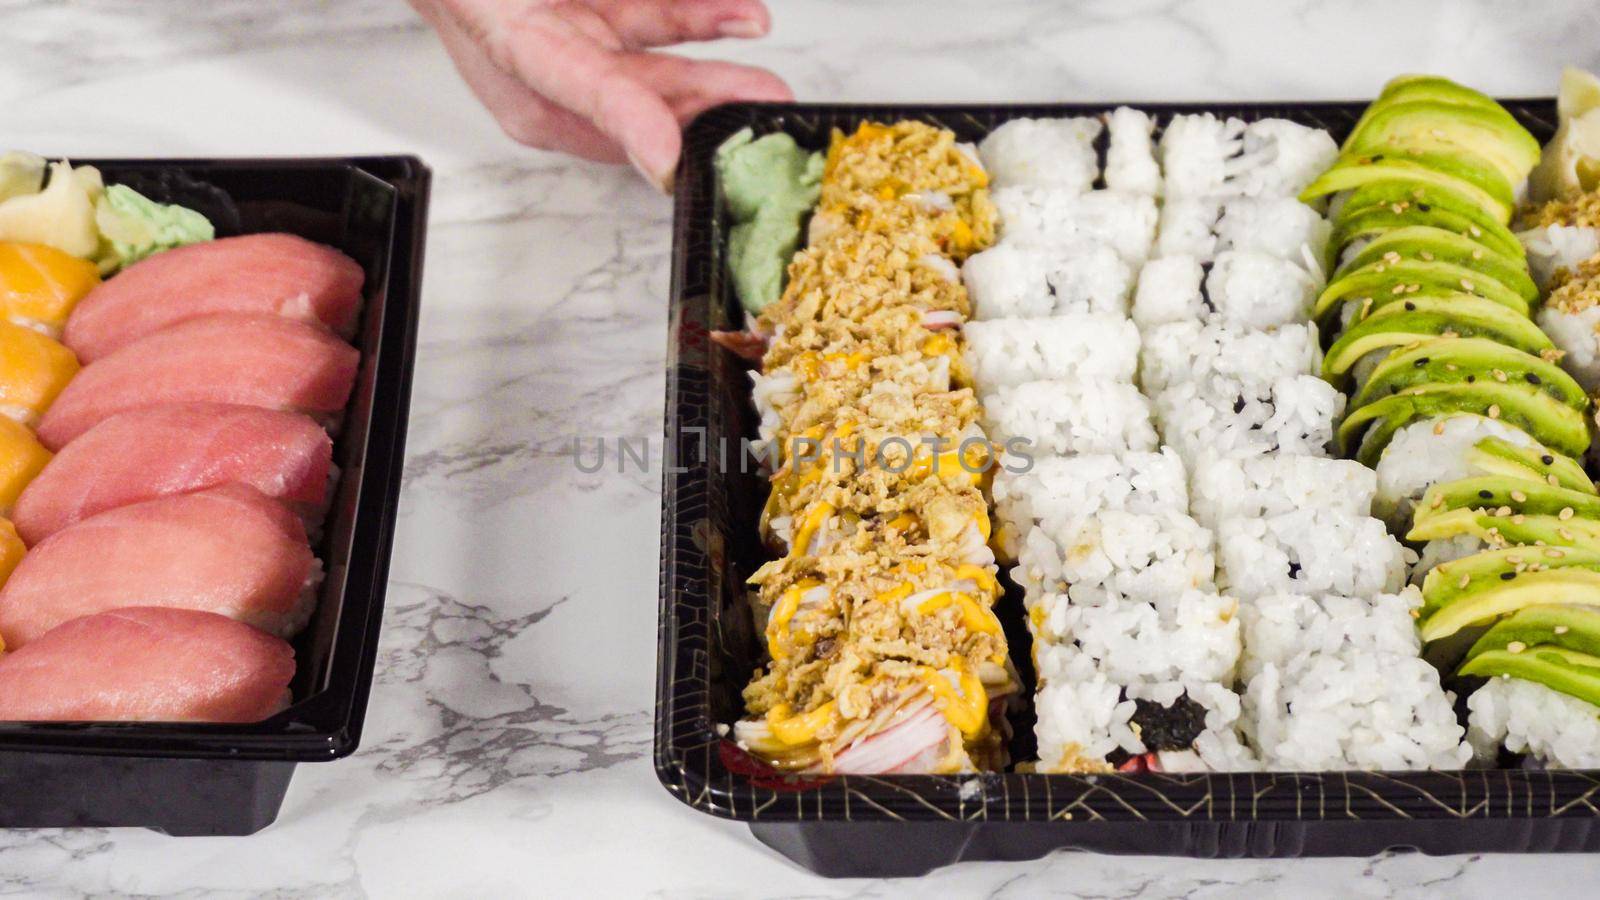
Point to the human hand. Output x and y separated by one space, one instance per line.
577 75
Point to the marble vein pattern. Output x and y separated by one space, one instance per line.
506 748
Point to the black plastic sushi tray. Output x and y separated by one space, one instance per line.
854 825
194 779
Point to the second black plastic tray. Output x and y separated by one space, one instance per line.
231 779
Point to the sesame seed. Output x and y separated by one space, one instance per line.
1476 231
1398 289
1427 256
1564 534
1530 378
1554 552
1466 284
1513 558
1507 576
1516 646
1417 193
1522 567
1519 496
1565 514
1438 501
1396 208
1477 254
1518 519
1553 479
1486 494
1391 257
1451 367
1561 629
1499 375
1494 410
1379 267
1414 288
1464 580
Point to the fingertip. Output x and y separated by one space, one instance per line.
743 29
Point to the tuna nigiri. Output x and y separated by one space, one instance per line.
250 359
39 285
172 448
229 549
278 274
22 457
33 370
147 664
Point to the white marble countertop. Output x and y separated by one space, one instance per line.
506 748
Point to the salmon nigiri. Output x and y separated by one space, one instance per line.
173 448
229 549
22 458
250 359
280 274
40 285
147 664
33 371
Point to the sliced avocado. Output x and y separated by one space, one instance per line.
1567 671
1398 324
1419 86
1387 282
1520 405
1427 244
1571 627
1432 126
1351 172
1517 529
1415 200
1458 360
1372 221
1519 495
1485 586
1497 456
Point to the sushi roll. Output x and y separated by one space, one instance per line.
1052 153
1280 227
1040 216
1069 417
884 653
1084 346
1204 156
1242 288
1015 281
1131 165
1336 683
1222 416
1180 351
1268 486
1053 491
1309 551
1571 315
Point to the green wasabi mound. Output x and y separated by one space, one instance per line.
132 227
770 185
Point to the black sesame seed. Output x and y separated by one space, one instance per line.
1421 362
1238 405
1410 307
1547 459
1487 495
1532 378
1471 378
1507 576
1424 207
